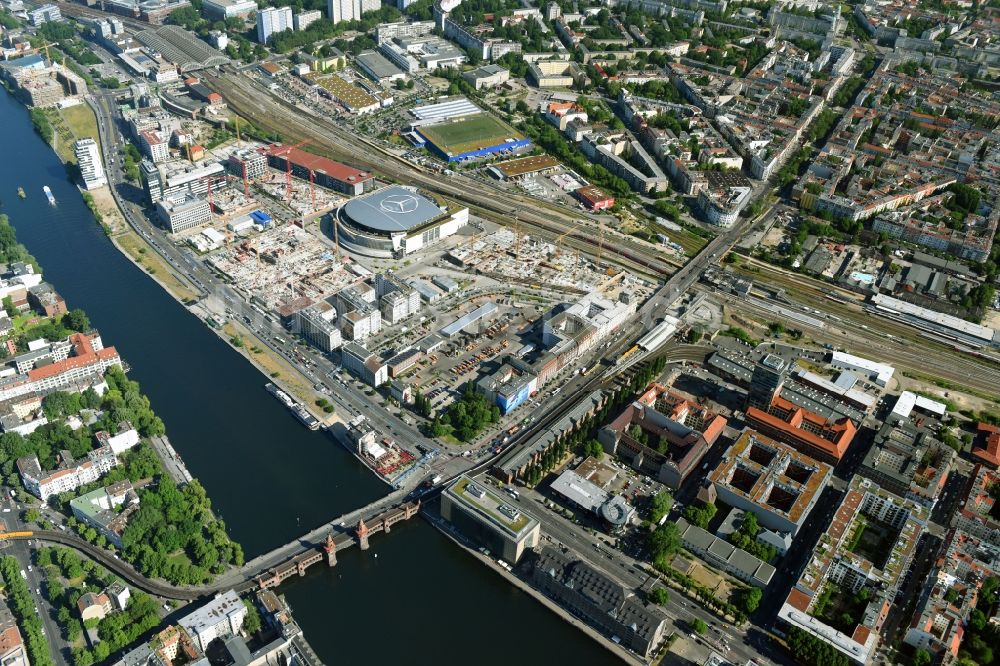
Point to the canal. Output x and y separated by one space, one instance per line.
422 600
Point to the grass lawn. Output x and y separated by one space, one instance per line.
70 124
271 364
690 241
469 133
153 263
81 121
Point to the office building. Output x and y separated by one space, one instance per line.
325 172
612 510
183 211
272 20
88 157
662 434
724 555
771 480
359 318
397 300
487 76
317 325
44 14
599 600
815 435
490 519
164 180
247 163
768 377
508 387
364 364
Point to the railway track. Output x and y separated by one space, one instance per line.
268 111
926 358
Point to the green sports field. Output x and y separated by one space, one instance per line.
468 134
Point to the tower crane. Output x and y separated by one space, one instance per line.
287 153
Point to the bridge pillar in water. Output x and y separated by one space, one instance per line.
385 525
362 532
301 567
411 509
330 548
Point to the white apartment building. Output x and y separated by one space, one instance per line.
126 438
272 20
318 326
349 10
301 21
44 13
68 476
88 157
222 617
364 364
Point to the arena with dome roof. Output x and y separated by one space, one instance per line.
395 221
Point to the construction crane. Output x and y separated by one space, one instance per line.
287 153
46 46
212 179
559 240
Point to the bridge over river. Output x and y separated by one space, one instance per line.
269 570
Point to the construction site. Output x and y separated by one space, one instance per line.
282 264
507 255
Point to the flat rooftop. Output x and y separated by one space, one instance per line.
526 165
482 500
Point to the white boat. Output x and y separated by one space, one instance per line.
48 193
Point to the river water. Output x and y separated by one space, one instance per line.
422 600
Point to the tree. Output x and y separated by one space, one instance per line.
659 596
700 516
749 599
660 506
593 449
31 516
251 623
9 307
922 657
664 541
699 626
76 320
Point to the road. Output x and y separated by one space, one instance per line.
346 395
58 647
679 610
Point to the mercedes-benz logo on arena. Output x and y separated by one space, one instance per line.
399 204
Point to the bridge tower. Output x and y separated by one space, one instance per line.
362 533
330 548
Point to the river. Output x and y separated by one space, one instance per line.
422 600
